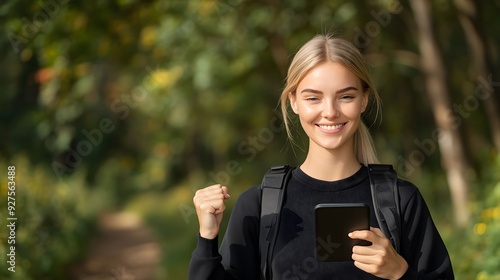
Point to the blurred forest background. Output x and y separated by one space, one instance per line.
130 106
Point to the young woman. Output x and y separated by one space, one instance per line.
329 88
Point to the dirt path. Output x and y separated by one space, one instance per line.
124 250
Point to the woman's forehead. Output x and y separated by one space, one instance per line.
329 74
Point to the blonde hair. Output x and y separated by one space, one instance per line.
326 48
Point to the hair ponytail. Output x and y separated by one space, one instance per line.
364 148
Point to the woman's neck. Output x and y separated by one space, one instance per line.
330 166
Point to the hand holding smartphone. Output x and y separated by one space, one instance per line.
333 223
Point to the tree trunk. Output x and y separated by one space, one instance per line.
450 143
279 52
482 59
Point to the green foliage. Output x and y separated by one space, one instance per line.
54 220
475 252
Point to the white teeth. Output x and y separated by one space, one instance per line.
331 127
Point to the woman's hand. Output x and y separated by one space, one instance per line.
209 204
380 258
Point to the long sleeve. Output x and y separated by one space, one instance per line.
422 246
206 261
238 257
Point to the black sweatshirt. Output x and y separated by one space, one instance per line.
294 255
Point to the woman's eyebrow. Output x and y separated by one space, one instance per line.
346 89
310 90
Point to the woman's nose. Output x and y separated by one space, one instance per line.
330 110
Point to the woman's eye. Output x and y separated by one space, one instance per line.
347 97
312 98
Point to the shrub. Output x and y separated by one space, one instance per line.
54 220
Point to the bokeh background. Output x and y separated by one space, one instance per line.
115 112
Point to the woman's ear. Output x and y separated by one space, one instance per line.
364 104
293 102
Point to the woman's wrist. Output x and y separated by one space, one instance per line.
401 272
210 234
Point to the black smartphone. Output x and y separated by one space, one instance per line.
333 221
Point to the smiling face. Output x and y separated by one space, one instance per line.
329 101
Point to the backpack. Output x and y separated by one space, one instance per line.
385 196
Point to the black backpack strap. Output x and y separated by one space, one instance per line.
273 189
385 196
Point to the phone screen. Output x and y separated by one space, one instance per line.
333 221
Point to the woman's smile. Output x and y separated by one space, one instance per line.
332 128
